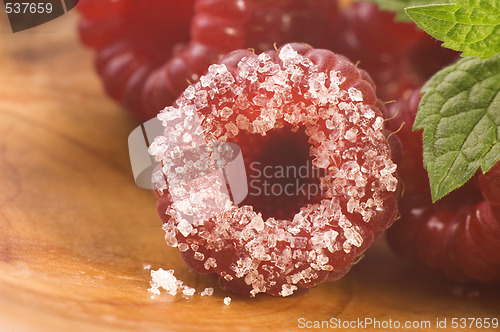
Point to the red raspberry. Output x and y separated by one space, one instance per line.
490 183
376 31
287 108
456 236
428 57
402 116
398 55
134 40
148 50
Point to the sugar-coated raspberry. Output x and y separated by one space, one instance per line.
458 235
148 50
295 99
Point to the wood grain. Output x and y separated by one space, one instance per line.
75 232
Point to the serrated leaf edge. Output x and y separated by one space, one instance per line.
420 123
466 51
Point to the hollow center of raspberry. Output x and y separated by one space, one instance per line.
280 175
162 30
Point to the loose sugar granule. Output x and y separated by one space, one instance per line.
227 300
188 291
207 291
166 280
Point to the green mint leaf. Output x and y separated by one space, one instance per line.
460 115
398 6
469 26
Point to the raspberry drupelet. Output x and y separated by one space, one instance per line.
314 101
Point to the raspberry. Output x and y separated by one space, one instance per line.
145 66
295 99
402 114
456 236
490 184
134 40
399 56
376 31
428 57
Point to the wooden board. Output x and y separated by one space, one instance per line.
75 231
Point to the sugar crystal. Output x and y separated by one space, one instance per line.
210 263
184 227
166 280
183 247
199 256
209 291
188 291
355 94
287 290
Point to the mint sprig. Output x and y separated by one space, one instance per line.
460 115
470 26
398 6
